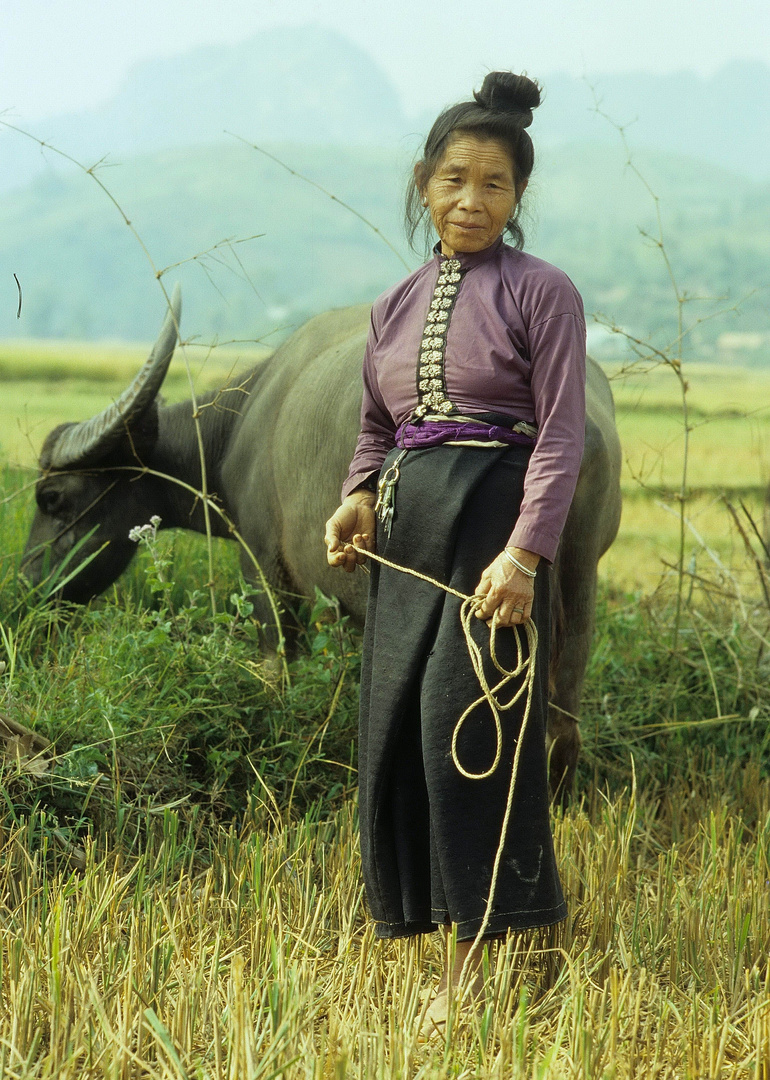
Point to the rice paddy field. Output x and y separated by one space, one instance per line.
728 458
180 894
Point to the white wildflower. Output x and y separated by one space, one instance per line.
145 533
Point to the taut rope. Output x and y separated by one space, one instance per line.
525 666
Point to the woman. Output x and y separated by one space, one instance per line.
473 417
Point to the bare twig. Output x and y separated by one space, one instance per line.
758 565
230 243
325 191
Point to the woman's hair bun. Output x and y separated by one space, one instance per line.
502 91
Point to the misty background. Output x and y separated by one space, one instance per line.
171 121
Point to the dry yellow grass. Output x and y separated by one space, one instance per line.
263 964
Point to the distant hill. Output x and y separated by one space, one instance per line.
84 276
313 86
301 84
592 213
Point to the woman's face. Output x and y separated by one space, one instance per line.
472 193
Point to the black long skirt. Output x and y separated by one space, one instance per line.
429 836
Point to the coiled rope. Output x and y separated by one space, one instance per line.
524 666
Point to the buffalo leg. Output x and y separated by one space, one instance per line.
574 624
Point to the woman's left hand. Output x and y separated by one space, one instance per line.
506 590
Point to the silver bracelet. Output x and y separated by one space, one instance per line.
519 566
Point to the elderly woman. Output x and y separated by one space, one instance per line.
473 419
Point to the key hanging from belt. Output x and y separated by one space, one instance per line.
386 493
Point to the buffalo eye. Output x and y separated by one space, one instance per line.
51 501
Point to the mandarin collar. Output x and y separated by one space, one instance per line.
469 259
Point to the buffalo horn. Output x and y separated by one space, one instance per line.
92 439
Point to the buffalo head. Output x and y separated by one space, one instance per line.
89 493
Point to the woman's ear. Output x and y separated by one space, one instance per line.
419 179
521 188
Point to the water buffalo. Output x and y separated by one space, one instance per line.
276 453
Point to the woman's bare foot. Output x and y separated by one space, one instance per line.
471 990
434 1022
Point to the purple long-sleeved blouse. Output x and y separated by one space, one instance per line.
515 345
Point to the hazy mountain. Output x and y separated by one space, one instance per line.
723 119
294 84
84 275
311 85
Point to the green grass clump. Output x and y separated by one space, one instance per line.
149 698
650 708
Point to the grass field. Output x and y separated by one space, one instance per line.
180 889
729 412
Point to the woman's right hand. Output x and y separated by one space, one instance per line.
353 522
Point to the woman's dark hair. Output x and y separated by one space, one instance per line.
501 110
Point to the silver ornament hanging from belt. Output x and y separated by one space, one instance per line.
386 493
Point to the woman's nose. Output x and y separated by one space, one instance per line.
470 197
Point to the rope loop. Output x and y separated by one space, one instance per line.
525 666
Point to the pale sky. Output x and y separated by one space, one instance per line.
63 55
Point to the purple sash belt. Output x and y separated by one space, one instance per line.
412 436
417 436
